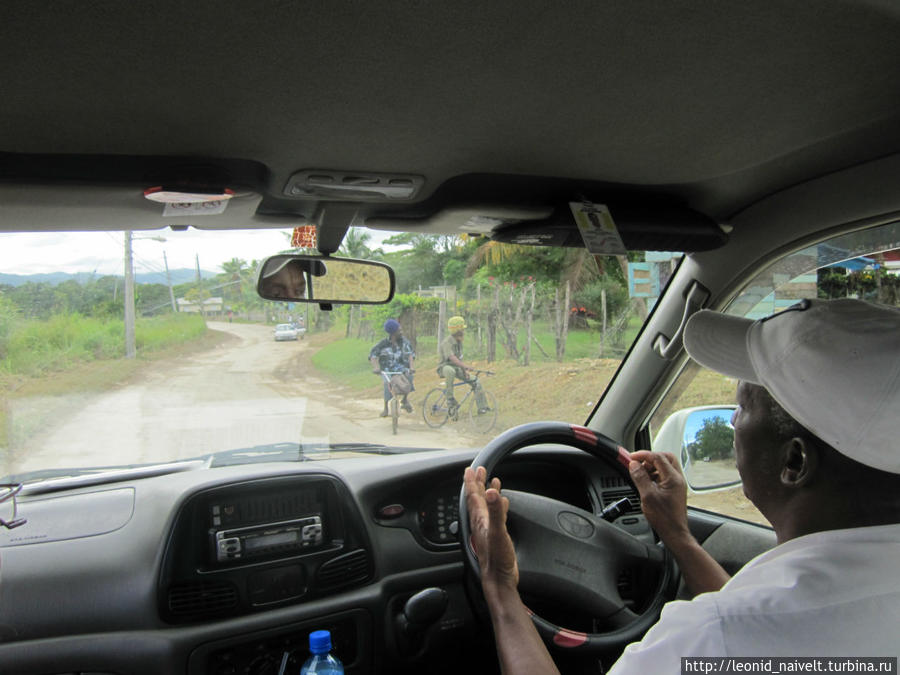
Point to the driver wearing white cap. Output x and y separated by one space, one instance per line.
816 443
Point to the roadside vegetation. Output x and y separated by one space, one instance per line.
48 360
34 347
553 324
564 390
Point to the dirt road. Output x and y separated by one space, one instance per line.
247 391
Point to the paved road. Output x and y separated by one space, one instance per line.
247 391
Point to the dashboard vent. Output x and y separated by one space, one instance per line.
344 570
612 496
201 599
612 482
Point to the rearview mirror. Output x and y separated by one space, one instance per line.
703 440
308 278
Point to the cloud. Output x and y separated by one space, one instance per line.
72 252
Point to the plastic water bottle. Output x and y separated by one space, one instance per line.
321 662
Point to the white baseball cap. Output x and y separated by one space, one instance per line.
833 365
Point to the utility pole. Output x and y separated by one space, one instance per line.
129 299
169 282
197 257
130 349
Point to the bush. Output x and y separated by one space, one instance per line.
36 346
590 297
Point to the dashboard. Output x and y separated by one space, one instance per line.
225 570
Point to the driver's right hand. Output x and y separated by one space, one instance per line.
490 539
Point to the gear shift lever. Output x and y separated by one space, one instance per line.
420 612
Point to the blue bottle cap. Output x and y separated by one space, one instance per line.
320 642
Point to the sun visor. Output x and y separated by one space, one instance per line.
76 207
641 228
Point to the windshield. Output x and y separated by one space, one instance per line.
480 337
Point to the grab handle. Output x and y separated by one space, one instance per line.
695 299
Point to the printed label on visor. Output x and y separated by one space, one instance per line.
210 208
597 228
179 203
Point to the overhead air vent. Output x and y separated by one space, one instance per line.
201 599
612 496
350 568
353 186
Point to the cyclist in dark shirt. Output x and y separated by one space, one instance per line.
394 353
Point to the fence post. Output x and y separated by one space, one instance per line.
480 316
442 323
603 314
529 317
493 319
562 323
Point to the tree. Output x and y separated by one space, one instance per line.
234 268
714 440
356 245
198 296
234 272
9 313
422 262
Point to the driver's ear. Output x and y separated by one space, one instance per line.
800 461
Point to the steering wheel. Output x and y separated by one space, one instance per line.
571 554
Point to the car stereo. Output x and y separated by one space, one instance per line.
244 528
267 539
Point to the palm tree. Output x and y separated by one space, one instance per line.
234 271
579 267
491 253
233 268
355 244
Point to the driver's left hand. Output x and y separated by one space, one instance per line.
490 539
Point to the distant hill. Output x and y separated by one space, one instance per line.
179 276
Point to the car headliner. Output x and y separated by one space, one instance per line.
713 105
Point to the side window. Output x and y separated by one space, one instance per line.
693 419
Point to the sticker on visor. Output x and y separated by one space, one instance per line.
179 203
601 237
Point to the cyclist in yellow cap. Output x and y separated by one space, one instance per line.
451 365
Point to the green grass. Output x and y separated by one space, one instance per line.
35 347
346 360
565 391
580 344
167 330
53 363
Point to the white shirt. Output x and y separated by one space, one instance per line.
834 593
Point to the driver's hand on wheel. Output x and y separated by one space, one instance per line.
663 490
490 539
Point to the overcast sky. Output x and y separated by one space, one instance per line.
104 251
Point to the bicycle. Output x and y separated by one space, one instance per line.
394 403
436 409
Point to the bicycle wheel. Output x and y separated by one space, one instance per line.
434 409
395 413
483 422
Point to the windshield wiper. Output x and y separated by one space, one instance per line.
52 480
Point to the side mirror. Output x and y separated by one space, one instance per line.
703 440
308 278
